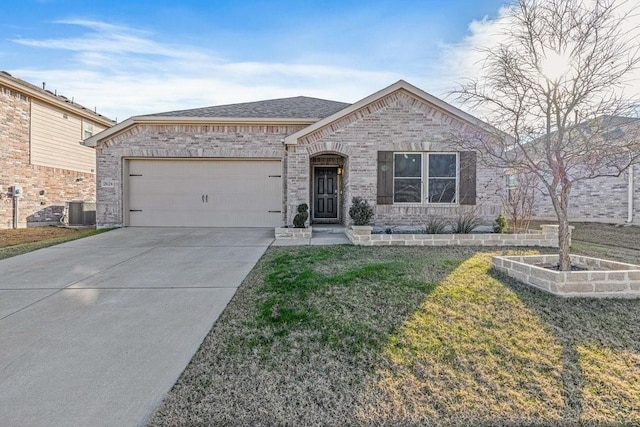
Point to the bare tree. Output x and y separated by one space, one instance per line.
519 199
557 85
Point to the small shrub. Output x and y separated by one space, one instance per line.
500 225
301 216
360 211
435 226
466 223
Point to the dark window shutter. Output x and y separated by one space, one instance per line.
467 177
385 177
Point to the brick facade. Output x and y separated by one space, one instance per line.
45 189
398 121
177 141
604 199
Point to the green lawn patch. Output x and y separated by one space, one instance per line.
407 336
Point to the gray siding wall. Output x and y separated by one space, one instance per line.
55 139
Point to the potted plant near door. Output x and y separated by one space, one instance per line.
361 213
299 229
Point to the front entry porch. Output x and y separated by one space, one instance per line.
327 173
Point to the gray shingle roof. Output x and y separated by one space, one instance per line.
299 107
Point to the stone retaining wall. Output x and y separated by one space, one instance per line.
293 233
546 237
604 279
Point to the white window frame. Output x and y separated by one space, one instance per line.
424 179
87 127
457 178
421 178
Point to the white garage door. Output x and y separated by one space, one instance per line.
205 193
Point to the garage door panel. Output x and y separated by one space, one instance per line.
214 193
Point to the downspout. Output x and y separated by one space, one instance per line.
630 196
16 214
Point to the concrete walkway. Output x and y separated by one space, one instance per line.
96 331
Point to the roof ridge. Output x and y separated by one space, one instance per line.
289 107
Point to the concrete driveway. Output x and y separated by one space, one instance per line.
96 331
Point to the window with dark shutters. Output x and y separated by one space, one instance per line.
385 177
439 182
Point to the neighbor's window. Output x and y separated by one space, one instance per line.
407 178
88 130
512 186
432 174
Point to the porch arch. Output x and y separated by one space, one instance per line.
328 147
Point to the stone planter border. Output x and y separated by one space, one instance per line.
605 279
546 237
283 233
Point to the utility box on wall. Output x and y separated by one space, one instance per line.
16 191
81 213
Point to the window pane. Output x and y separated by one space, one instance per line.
442 190
407 165
406 190
442 165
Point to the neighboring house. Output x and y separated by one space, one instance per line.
43 165
610 199
252 164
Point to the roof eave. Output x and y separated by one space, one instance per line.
15 84
177 120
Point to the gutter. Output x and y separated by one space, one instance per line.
630 196
181 120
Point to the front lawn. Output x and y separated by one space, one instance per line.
407 336
22 240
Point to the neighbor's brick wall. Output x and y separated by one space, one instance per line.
173 141
603 199
397 122
57 185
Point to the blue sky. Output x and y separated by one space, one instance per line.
140 57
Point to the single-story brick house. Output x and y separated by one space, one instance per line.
252 164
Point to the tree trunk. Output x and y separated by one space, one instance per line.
563 228
563 243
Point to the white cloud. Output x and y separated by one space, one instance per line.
464 60
107 38
124 72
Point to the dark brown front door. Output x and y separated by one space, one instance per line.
325 193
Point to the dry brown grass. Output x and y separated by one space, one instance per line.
615 235
23 240
615 242
29 235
